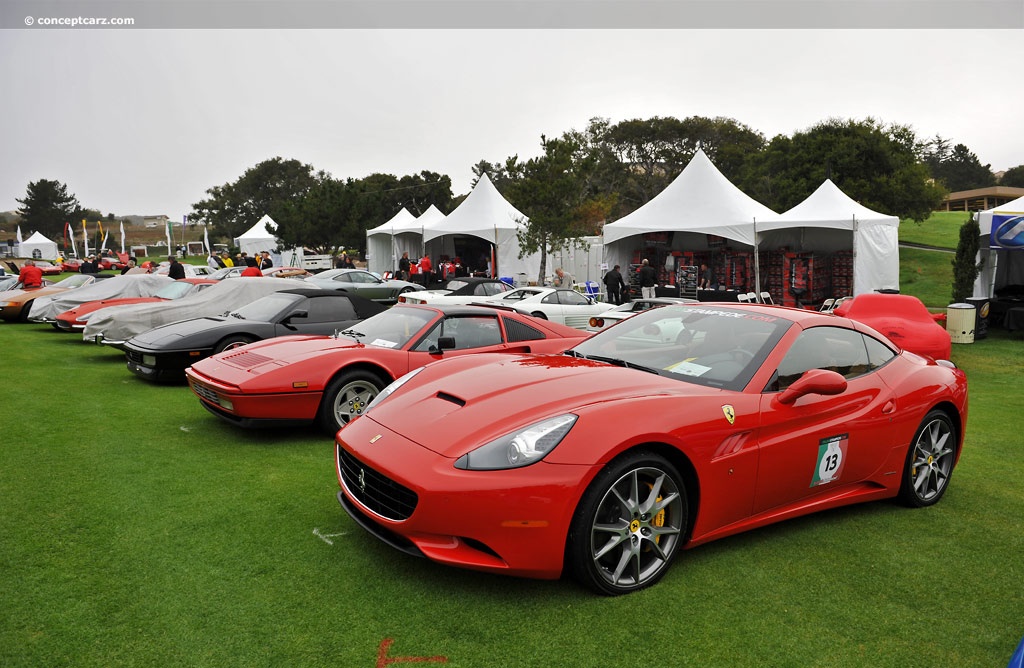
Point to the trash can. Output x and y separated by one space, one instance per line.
960 322
981 308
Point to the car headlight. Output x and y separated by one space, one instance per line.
520 448
390 389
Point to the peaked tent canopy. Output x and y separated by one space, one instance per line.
699 200
381 251
486 215
829 220
1001 251
258 237
38 247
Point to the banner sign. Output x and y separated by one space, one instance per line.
1007 231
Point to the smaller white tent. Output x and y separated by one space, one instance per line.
487 215
1001 249
829 220
37 247
381 250
258 237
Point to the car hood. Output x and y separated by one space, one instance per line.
21 295
236 366
191 332
488 396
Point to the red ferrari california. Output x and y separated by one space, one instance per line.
605 461
331 379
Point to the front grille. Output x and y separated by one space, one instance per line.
205 392
375 490
134 356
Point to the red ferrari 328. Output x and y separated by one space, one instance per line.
673 428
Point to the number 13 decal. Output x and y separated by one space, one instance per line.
831 457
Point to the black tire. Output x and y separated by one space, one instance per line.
616 544
404 290
232 342
538 314
25 308
930 461
346 397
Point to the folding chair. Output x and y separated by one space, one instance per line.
766 298
752 297
826 305
743 297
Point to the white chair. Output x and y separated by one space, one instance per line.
743 297
752 297
826 306
766 298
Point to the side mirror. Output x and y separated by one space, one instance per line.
294 315
443 343
815 381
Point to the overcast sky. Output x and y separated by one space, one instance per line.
144 121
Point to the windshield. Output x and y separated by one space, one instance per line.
708 345
75 281
391 329
174 290
267 309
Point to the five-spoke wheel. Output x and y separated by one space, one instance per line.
629 525
930 461
347 397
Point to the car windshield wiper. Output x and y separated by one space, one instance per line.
573 353
236 315
623 363
351 333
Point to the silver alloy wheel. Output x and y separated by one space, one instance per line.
637 527
932 459
352 399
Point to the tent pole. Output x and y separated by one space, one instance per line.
757 264
854 290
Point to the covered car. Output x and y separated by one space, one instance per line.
16 304
46 309
75 318
904 319
458 291
753 415
331 379
362 283
163 353
116 324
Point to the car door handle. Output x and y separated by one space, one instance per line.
889 407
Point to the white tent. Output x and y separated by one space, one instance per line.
37 247
381 250
828 221
700 201
1001 252
258 237
487 215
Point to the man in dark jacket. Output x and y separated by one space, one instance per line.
648 279
175 271
616 286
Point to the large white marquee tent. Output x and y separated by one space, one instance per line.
700 201
381 242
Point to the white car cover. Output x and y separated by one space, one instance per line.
46 309
120 323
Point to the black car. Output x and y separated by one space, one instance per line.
163 353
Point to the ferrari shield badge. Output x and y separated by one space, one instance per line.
730 413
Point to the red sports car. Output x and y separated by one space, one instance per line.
331 379
75 319
607 460
904 319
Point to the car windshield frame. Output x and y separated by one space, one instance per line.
393 328
708 345
269 308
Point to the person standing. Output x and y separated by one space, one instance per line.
128 267
251 268
563 279
263 261
175 271
30 275
403 266
707 277
616 286
648 279
427 269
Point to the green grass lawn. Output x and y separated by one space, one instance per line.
138 530
941 229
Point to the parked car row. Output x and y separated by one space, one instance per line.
535 432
